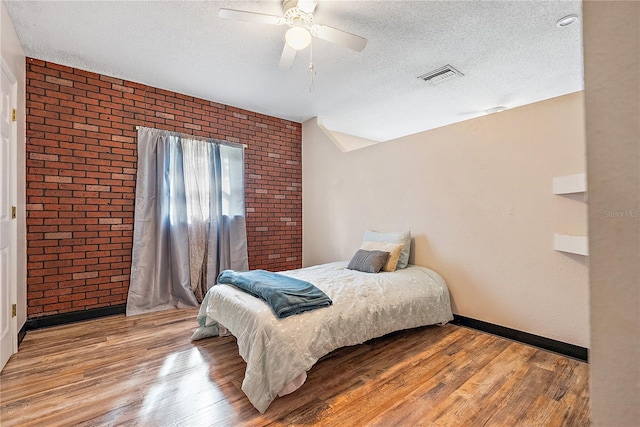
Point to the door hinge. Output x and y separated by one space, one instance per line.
14 115
13 212
13 310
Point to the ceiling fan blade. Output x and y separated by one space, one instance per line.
286 60
340 37
307 6
241 15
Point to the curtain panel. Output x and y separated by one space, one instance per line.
189 219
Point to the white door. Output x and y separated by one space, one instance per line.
8 334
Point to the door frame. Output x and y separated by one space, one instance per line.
13 240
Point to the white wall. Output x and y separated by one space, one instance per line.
477 198
612 95
13 56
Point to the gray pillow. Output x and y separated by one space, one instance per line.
368 261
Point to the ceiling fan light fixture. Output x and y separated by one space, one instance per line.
298 37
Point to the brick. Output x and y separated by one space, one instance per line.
39 156
57 179
110 220
98 188
122 227
76 296
65 235
165 115
85 275
91 128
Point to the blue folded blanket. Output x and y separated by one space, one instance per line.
285 295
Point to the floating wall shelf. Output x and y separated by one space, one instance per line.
571 244
570 184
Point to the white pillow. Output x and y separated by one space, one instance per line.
393 249
403 237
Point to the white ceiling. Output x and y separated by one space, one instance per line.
511 53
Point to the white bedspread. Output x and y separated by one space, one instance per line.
365 306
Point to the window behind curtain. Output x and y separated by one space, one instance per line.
192 172
232 180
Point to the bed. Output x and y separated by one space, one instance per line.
279 352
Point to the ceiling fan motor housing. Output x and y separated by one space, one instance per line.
289 4
294 16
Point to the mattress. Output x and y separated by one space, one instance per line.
279 352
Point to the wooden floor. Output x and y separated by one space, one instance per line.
144 371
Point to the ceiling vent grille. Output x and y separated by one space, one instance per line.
441 75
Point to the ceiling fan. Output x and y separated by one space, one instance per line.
298 15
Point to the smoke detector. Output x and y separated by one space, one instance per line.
441 75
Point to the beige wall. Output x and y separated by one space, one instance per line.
477 197
612 95
14 58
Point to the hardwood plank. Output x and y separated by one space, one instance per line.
143 370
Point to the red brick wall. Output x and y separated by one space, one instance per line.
81 171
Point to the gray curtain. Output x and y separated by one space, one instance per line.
189 219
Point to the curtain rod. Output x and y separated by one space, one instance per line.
243 145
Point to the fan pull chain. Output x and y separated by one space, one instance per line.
312 68
312 72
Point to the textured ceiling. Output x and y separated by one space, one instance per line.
510 52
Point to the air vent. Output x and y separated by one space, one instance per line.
441 75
